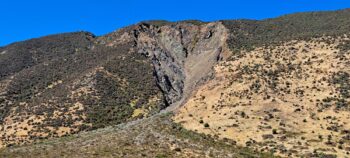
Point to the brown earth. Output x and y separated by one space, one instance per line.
277 98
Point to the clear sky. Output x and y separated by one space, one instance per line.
25 19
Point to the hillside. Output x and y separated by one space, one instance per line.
278 85
64 84
152 137
291 98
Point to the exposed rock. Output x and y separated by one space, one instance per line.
183 54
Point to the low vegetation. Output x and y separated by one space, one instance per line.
264 99
152 137
102 95
71 83
246 34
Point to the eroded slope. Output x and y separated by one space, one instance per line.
291 98
183 54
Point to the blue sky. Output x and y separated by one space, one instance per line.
25 19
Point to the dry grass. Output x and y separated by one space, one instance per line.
275 99
152 137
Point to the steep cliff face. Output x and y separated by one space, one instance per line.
183 54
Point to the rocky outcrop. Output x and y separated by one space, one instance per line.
183 54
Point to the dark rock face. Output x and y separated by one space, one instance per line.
182 54
167 60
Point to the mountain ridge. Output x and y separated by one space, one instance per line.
63 84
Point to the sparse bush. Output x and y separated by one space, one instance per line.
274 131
